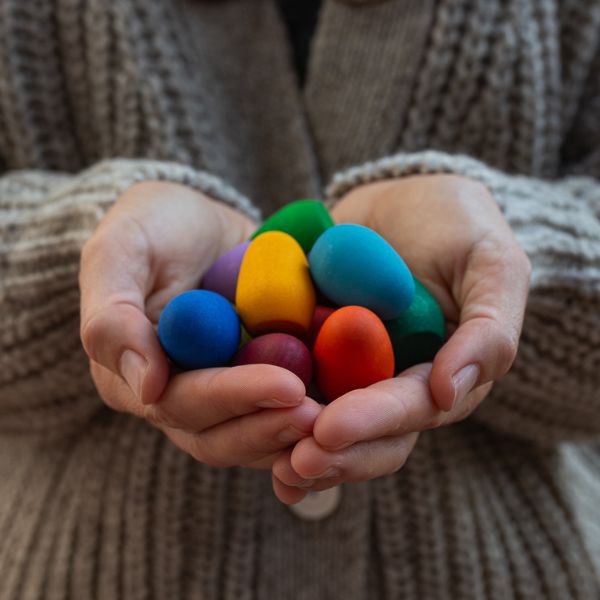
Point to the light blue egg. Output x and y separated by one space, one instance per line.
353 265
199 329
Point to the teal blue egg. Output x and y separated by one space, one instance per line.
354 266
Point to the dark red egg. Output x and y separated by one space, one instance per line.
279 349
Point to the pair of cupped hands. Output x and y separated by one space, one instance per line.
159 238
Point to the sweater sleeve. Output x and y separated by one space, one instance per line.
45 218
552 392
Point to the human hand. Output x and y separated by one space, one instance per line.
155 242
455 240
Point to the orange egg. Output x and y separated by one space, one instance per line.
352 350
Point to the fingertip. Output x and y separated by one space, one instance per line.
440 386
155 381
279 383
157 372
329 432
308 460
286 494
306 414
121 338
343 419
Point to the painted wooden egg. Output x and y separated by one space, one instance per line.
320 315
275 292
245 337
353 350
354 265
419 332
278 349
199 329
304 220
222 276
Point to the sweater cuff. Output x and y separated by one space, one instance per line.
432 162
108 179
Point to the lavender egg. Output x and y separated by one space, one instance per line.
222 276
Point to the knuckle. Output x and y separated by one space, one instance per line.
499 254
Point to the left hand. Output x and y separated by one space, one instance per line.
453 237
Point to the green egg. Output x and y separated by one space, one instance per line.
304 220
418 333
245 337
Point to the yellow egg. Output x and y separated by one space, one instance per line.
274 289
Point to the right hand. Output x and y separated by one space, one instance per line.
154 243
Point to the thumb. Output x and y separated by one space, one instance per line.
115 331
493 294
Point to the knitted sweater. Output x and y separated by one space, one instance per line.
96 95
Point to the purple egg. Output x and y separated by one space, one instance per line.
279 349
222 276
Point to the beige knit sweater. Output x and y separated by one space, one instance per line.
95 95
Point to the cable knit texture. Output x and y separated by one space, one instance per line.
95 96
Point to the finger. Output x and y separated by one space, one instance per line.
287 484
392 407
359 462
250 438
114 391
285 474
286 493
265 463
114 279
117 394
197 400
493 299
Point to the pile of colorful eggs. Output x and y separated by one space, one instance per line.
334 304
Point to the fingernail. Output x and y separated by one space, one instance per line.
329 473
305 483
133 368
339 447
275 403
463 382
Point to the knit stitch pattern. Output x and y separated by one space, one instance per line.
95 96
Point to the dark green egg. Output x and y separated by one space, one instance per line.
418 333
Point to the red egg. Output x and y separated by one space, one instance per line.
352 350
279 349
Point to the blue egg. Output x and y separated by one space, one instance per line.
353 265
199 329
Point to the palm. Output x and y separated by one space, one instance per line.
431 225
175 247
